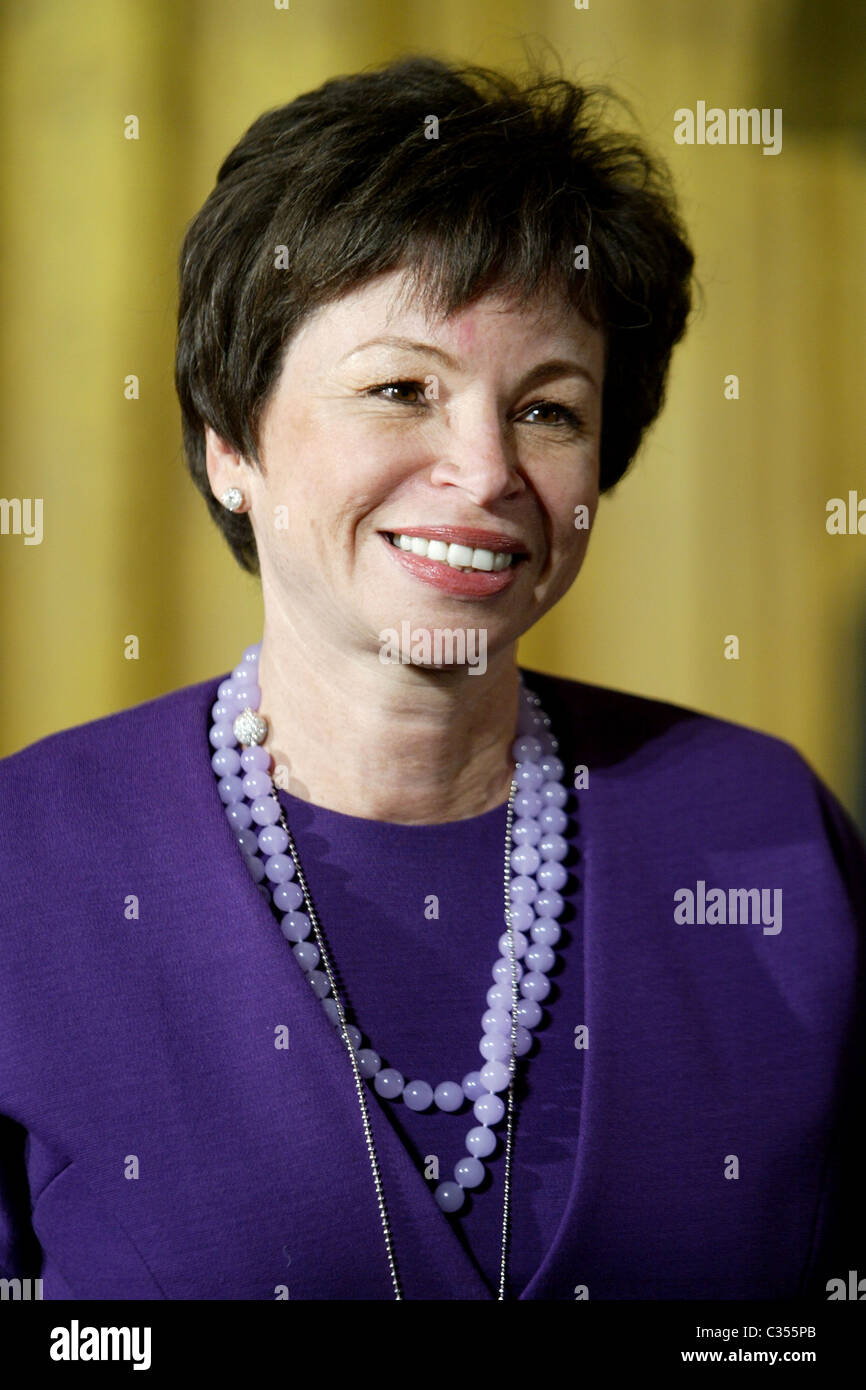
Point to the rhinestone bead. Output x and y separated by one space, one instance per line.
250 727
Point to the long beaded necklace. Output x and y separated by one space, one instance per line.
534 874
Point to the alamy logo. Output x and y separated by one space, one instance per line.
76 1343
439 646
855 1288
737 126
746 906
20 1290
22 516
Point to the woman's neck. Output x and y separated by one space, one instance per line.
389 742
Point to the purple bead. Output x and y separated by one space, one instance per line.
553 819
225 762
222 713
551 874
389 1083
480 1141
230 789
520 944
552 847
495 1047
448 1096
243 673
525 859
526 749
273 840
238 814
256 867
529 1013
247 841
307 955
257 783
265 810
503 973
552 767
549 904
499 996
255 756
280 867
553 794
354 1036
449 1195
469 1172
525 831
538 725
248 696
251 653
296 926
523 889
495 1076
226 692
369 1062
489 1109
539 957
471 1085
534 986
288 896
496 1021
547 931
527 805
523 1042
522 916
332 1011
319 983
529 777
222 736
418 1095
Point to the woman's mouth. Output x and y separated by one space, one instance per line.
457 566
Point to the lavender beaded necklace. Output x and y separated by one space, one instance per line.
534 874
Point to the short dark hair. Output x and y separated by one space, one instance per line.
522 172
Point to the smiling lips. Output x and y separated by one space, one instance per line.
457 559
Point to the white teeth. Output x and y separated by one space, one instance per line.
459 557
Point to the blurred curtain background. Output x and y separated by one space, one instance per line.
719 530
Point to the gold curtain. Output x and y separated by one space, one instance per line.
719 531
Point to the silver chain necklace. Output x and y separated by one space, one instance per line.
359 1084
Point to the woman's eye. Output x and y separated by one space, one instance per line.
413 393
567 416
413 386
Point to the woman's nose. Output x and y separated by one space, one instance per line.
481 458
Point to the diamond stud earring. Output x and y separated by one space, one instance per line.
232 499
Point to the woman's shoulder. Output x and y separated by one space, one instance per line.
622 727
705 778
147 732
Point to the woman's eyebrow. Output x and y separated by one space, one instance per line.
545 371
404 343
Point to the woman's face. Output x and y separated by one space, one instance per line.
480 431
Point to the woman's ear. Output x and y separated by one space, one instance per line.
226 470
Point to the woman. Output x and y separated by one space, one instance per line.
406 308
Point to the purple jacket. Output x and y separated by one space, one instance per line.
156 1143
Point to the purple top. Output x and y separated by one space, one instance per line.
155 1143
